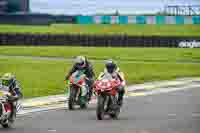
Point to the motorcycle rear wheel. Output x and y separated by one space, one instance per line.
83 106
115 115
83 102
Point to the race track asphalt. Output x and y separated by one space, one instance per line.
174 112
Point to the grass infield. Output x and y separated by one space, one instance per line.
46 77
106 29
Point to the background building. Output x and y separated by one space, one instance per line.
3 6
24 5
13 6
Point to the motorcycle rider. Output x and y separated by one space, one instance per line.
82 63
112 68
10 84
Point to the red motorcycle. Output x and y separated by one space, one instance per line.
106 89
6 117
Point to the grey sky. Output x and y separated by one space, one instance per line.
103 6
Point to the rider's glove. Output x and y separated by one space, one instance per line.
123 83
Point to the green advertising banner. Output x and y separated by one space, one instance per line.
138 19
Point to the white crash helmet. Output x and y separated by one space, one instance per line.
80 61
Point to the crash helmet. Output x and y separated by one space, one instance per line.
80 62
110 66
8 79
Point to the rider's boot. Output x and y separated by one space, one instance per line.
120 101
90 94
121 95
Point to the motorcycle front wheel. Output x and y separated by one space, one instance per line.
10 122
100 107
72 98
116 108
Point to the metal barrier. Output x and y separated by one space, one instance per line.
46 19
35 19
97 40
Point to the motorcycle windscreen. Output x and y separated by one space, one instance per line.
107 76
4 89
78 77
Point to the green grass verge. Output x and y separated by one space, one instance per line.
45 77
106 29
126 54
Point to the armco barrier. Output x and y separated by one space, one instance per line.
98 40
46 19
35 19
